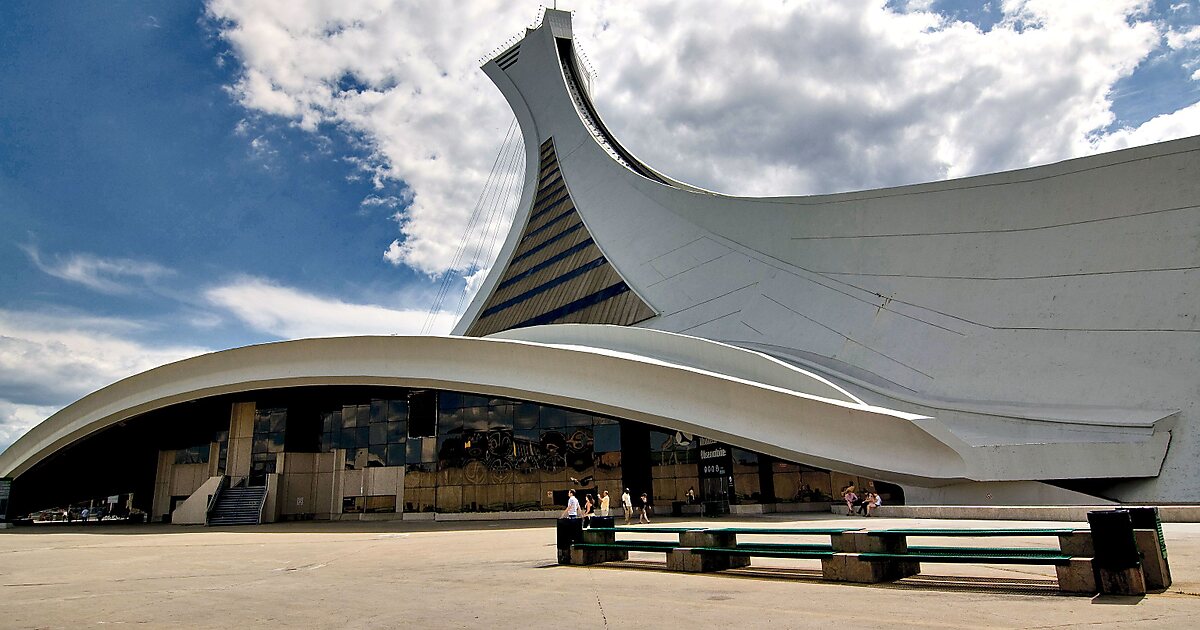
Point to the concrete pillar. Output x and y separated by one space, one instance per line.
241 440
161 503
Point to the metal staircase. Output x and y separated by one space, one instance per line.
238 506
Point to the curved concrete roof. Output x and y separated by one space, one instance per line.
701 354
768 418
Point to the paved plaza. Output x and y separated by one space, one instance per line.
503 575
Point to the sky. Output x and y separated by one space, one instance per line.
182 177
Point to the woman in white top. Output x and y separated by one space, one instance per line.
874 502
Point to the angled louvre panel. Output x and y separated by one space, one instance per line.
557 273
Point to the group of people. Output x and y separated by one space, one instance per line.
588 510
865 504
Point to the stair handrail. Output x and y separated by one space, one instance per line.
263 501
212 500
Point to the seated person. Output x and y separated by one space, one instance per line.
874 502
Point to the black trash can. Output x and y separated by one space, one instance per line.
570 531
1112 535
677 508
606 522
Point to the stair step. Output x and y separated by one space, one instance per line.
238 506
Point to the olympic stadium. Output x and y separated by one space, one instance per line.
1024 337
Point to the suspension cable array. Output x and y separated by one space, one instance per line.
493 211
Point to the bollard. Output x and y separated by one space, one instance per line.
570 531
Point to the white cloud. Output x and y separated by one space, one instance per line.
16 419
48 360
106 275
744 97
289 313
1174 125
1183 39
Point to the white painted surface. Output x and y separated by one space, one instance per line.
1055 303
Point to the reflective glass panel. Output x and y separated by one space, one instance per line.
378 433
377 455
608 438
397 410
525 416
395 455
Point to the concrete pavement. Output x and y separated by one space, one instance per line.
503 575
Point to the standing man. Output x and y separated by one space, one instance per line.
572 510
604 503
627 505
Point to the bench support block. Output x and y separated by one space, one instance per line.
593 556
862 542
1077 577
701 538
1154 564
1078 543
690 561
1121 581
848 567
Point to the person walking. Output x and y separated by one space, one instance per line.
645 518
572 510
627 505
588 504
604 503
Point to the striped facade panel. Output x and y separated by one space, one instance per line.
557 273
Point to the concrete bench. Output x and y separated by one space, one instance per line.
885 555
872 556
701 549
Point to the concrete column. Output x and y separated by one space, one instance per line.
161 503
241 440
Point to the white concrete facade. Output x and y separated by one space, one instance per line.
967 339
1037 315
